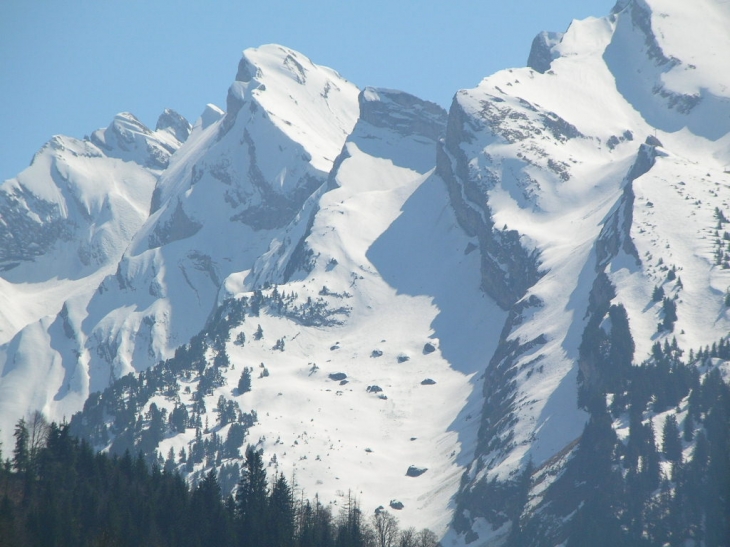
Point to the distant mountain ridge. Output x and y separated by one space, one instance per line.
475 291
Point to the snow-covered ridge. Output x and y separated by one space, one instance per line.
95 208
129 139
447 269
311 104
66 221
371 317
554 153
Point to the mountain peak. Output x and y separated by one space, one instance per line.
401 112
258 62
276 82
175 124
128 139
541 52
211 114
473 301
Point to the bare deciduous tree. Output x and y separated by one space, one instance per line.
407 537
426 538
37 433
385 527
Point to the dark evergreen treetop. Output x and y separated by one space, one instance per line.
78 498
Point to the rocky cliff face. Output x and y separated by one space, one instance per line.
522 150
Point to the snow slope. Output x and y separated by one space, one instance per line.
256 164
387 375
388 246
66 220
427 280
553 152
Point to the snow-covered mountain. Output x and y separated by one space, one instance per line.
65 222
419 307
603 169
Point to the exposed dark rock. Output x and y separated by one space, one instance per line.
176 227
403 358
428 382
414 471
275 209
402 112
616 232
561 129
397 505
30 227
337 376
599 302
498 413
507 268
376 353
302 257
428 348
174 123
374 389
483 498
541 55
651 140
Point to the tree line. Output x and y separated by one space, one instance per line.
660 485
55 491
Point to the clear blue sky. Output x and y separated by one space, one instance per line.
68 67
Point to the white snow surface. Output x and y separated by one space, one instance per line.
164 231
101 200
227 191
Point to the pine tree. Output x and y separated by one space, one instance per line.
179 418
621 352
658 293
350 527
688 427
281 514
315 528
7 523
251 500
244 382
670 314
234 440
592 466
207 506
651 465
671 443
21 455
717 497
